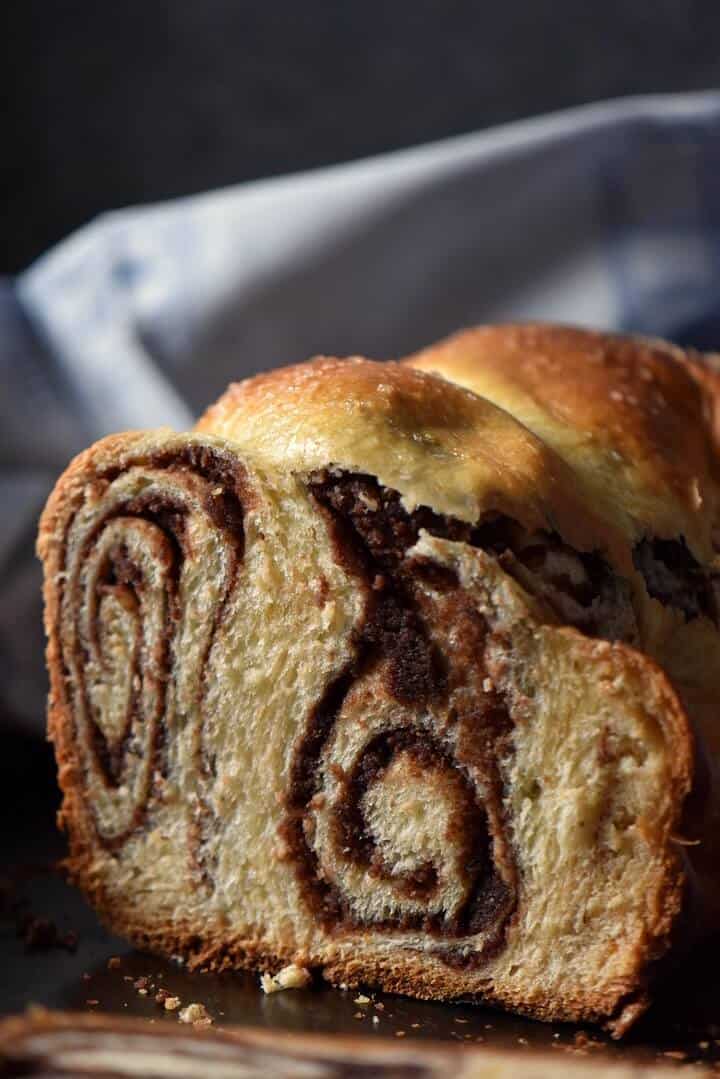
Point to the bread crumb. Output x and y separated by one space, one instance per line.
172 1004
195 1013
361 999
92 1003
488 685
113 962
290 977
399 1033
376 1019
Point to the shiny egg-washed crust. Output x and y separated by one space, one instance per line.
632 416
437 444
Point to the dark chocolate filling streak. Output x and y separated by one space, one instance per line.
372 533
222 500
673 575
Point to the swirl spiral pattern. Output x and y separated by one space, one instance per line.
395 813
129 596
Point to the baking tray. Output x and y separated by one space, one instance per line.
100 976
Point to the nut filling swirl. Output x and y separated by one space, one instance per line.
395 814
128 597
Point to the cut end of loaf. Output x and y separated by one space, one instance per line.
297 722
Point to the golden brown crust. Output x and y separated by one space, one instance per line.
629 406
435 443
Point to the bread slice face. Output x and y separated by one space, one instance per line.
54 1045
301 714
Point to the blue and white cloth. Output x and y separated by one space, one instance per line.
604 216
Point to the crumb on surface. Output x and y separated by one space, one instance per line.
172 1004
361 999
113 962
290 977
195 1013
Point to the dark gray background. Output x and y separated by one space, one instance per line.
111 104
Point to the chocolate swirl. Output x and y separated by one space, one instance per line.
150 556
394 816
